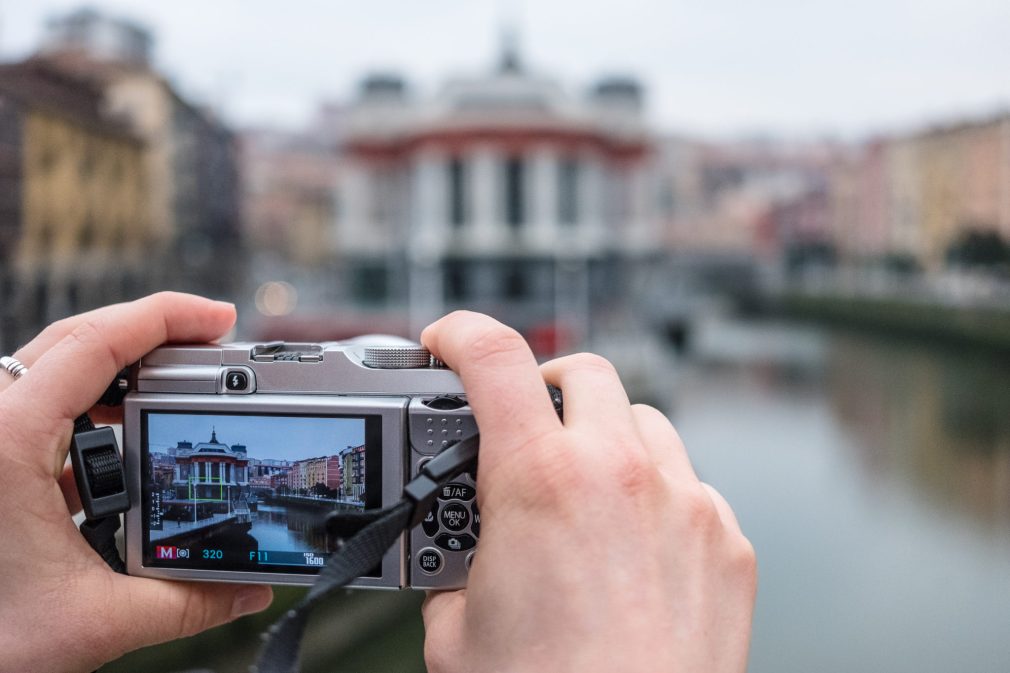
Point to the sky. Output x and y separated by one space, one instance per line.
801 68
276 437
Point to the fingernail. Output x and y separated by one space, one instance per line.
227 304
251 599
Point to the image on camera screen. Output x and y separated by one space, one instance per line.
250 492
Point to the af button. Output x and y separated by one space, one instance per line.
456 491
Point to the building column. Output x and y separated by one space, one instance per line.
484 196
352 216
542 188
431 195
641 235
592 200
428 236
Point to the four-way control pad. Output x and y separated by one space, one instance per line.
451 528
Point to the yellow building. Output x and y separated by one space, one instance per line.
952 180
75 205
916 195
190 160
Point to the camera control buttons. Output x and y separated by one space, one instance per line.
236 380
475 526
456 491
430 523
397 357
455 542
455 517
429 561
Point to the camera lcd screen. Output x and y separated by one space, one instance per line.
250 492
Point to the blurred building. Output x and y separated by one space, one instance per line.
742 199
75 229
502 193
913 196
184 211
288 195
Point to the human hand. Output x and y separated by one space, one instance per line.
61 608
600 550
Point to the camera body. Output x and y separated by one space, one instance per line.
236 453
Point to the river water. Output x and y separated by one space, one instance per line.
873 478
287 529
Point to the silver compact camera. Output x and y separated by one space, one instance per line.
235 452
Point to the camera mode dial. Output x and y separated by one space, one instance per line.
397 357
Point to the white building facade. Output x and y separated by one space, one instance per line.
502 194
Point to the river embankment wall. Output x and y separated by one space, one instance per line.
959 325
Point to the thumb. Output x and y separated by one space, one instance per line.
153 611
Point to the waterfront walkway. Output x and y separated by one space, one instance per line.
173 528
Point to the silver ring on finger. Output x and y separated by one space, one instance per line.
13 366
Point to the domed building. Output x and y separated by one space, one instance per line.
210 473
503 193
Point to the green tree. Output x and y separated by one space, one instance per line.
978 246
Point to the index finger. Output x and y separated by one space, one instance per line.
68 378
502 380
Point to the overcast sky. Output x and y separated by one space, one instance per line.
277 437
715 67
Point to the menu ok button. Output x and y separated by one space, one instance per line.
455 516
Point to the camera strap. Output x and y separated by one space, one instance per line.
101 484
372 533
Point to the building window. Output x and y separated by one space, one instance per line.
74 297
568 191
457 192
515 196
86 234
516 281
455 281
370 284
41 302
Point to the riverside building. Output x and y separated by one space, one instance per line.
502 193
211 472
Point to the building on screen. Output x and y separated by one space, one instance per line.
211 471
353 472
